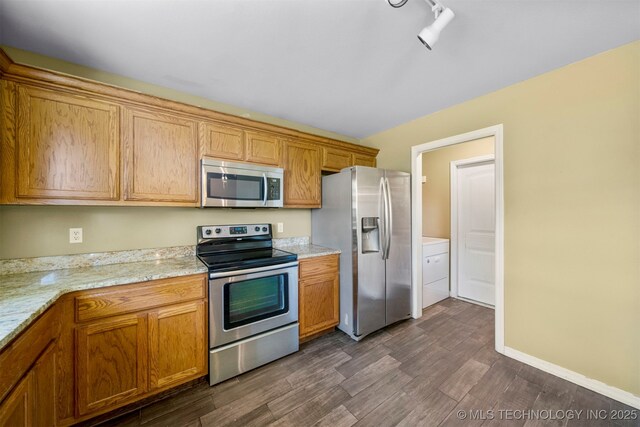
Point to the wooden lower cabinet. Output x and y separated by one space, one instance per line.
97 350
318 294
177 346
44 387
17 409
111 361
33 401
28 377
132 344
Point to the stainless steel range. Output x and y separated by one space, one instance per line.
253 298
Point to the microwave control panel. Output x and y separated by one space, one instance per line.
273 188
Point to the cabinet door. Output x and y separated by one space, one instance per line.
177 337
335 160
263 148
223 142
161 163
44 388
319 303
111 361
17 409
361 160
67 146
302 177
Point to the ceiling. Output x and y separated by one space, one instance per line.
354 67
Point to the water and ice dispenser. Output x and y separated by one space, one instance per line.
370 229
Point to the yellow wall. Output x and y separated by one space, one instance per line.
572 209
436 192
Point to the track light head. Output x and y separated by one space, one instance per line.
431 33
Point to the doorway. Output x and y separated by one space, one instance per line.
473 230
417 227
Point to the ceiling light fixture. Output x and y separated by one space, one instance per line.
431 33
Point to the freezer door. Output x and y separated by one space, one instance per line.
369 285
398 263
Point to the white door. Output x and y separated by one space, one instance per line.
476 232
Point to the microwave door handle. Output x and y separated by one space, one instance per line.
264 180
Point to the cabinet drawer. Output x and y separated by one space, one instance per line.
318 265
435 267
139 296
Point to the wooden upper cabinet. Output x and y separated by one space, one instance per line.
221 141
363 160
302 176
177 337
111 357
161 157
67 146
335 160
263 148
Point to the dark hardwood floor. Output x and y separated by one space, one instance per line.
417 372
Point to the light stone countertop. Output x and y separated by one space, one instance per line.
302 247
25 296
309 250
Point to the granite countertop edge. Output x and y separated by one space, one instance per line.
25 296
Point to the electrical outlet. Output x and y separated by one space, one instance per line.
280 227
75 235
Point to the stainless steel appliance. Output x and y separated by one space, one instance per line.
253 298
366 213
240 185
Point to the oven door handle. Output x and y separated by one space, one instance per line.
264 200
252 270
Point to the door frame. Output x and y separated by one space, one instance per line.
416 220
453 240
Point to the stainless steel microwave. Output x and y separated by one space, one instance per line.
241 185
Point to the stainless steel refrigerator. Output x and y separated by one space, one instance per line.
366 213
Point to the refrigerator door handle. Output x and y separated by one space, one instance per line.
383 219
388 217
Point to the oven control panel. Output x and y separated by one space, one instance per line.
216 231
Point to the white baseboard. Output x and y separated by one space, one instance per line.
576 378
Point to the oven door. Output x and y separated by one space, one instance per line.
251 301
229 184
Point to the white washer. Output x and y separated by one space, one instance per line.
435 270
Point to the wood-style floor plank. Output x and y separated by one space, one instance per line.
374 395
461 381
416 372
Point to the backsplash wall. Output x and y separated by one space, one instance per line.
34 231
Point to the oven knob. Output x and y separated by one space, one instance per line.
257 228
264 229
207 231
218 231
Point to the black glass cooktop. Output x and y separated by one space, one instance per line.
240 260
